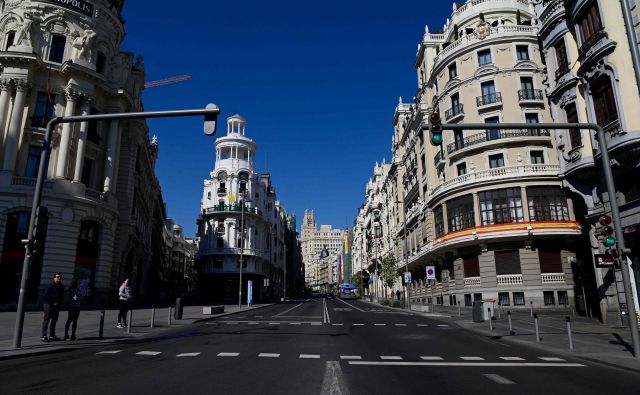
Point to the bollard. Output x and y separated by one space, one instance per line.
568 319
101 328
490 323
459 312
153 315
130 321
169 316
511 332
535 320
531 304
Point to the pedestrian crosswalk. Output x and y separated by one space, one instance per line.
319 323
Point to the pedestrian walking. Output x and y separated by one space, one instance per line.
398 294
52 298
124 296
74 299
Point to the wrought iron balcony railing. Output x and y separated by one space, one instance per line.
494 134
454 110
489 98
530 94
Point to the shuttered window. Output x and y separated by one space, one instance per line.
471 266
550 261
507 262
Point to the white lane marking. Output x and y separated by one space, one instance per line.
109 352
274 323
326 312
358 324
295 323
391 357
512 358
268 355
253 323
188 354
148 353
431 358
286 311
228 354
497 378
422 325
350 357
442 325
316 323
401 324
480 364
309 356
337 324
552 359
231 323
350 305
379 324
333 383
472 358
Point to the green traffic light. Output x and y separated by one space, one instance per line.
609 241
436 139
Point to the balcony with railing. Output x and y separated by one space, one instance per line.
94 194
530 95
489 100
438 159
499 173
222 191
29 182
494 135
553 9
454 113
552 278
509 279
231 208
472 281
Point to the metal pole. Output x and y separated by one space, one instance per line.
535 321
153 316
130 320
169 316
101 327
511 332
631 38
241 252
37 192
531 304
490 323
569 333
459 310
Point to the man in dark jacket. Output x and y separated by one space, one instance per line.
53 298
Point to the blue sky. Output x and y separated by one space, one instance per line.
317 82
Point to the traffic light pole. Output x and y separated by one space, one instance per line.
611 192
210 113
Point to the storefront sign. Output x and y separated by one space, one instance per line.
604 261
81 6
407 277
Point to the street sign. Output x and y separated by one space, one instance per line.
604 261
431 272
407 277
249 293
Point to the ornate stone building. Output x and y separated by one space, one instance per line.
313 241
64 58
236 192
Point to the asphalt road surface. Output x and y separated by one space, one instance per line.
317 346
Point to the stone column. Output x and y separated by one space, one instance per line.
65 136
109 162
525 204
5 95
82 139
15 126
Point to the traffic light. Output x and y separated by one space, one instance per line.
40 229
435 129
607 231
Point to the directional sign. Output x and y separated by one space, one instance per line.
604 261
407 277
431 272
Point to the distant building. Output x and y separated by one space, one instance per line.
314 240
236 192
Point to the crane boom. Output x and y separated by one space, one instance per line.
167 81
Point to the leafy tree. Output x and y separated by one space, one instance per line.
388 273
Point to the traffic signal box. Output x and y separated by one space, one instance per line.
435 129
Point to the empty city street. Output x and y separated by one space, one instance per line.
314 346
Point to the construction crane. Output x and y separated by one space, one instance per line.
167 81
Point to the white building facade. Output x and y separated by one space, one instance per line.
314 239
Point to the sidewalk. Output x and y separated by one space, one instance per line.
607 344
88 328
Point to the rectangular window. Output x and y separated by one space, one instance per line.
458 138
604 102
488 89
590 24
501 206
439 220
493 134
44 110
563 299
531 117
537 157
575 135
550 261
561 58
547 204
461 168
101 61
86 172
10 38
455 104
484 57
453 71
522 52
518 298
56 52
33 161
460 213
504 299
92 131
496 160
507 262
467 300
471 266
549 298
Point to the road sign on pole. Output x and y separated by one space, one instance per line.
407 277
431 272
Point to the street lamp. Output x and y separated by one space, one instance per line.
210 113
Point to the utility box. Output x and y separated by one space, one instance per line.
177 314
478 311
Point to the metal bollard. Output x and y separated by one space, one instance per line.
535 320
499 313
490 323
153 315
130 321
511 331
568 319
169 317
101 327
531 304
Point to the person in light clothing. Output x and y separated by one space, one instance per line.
124 296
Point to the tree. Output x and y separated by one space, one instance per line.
389 273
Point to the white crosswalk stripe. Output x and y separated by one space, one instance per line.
497 378
443 325
422 325
109 352
431 358
401 324
350 357
472 358
391 357
337 324
228 354
188 354
309 356
358 324
268 355
274 323
151 353
552 359
379 324
512 358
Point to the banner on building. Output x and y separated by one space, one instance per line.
431 272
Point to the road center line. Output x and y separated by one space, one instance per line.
152 353
309 356
228 354
350 357
109 352
358 324
473 364
497 378
268 355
